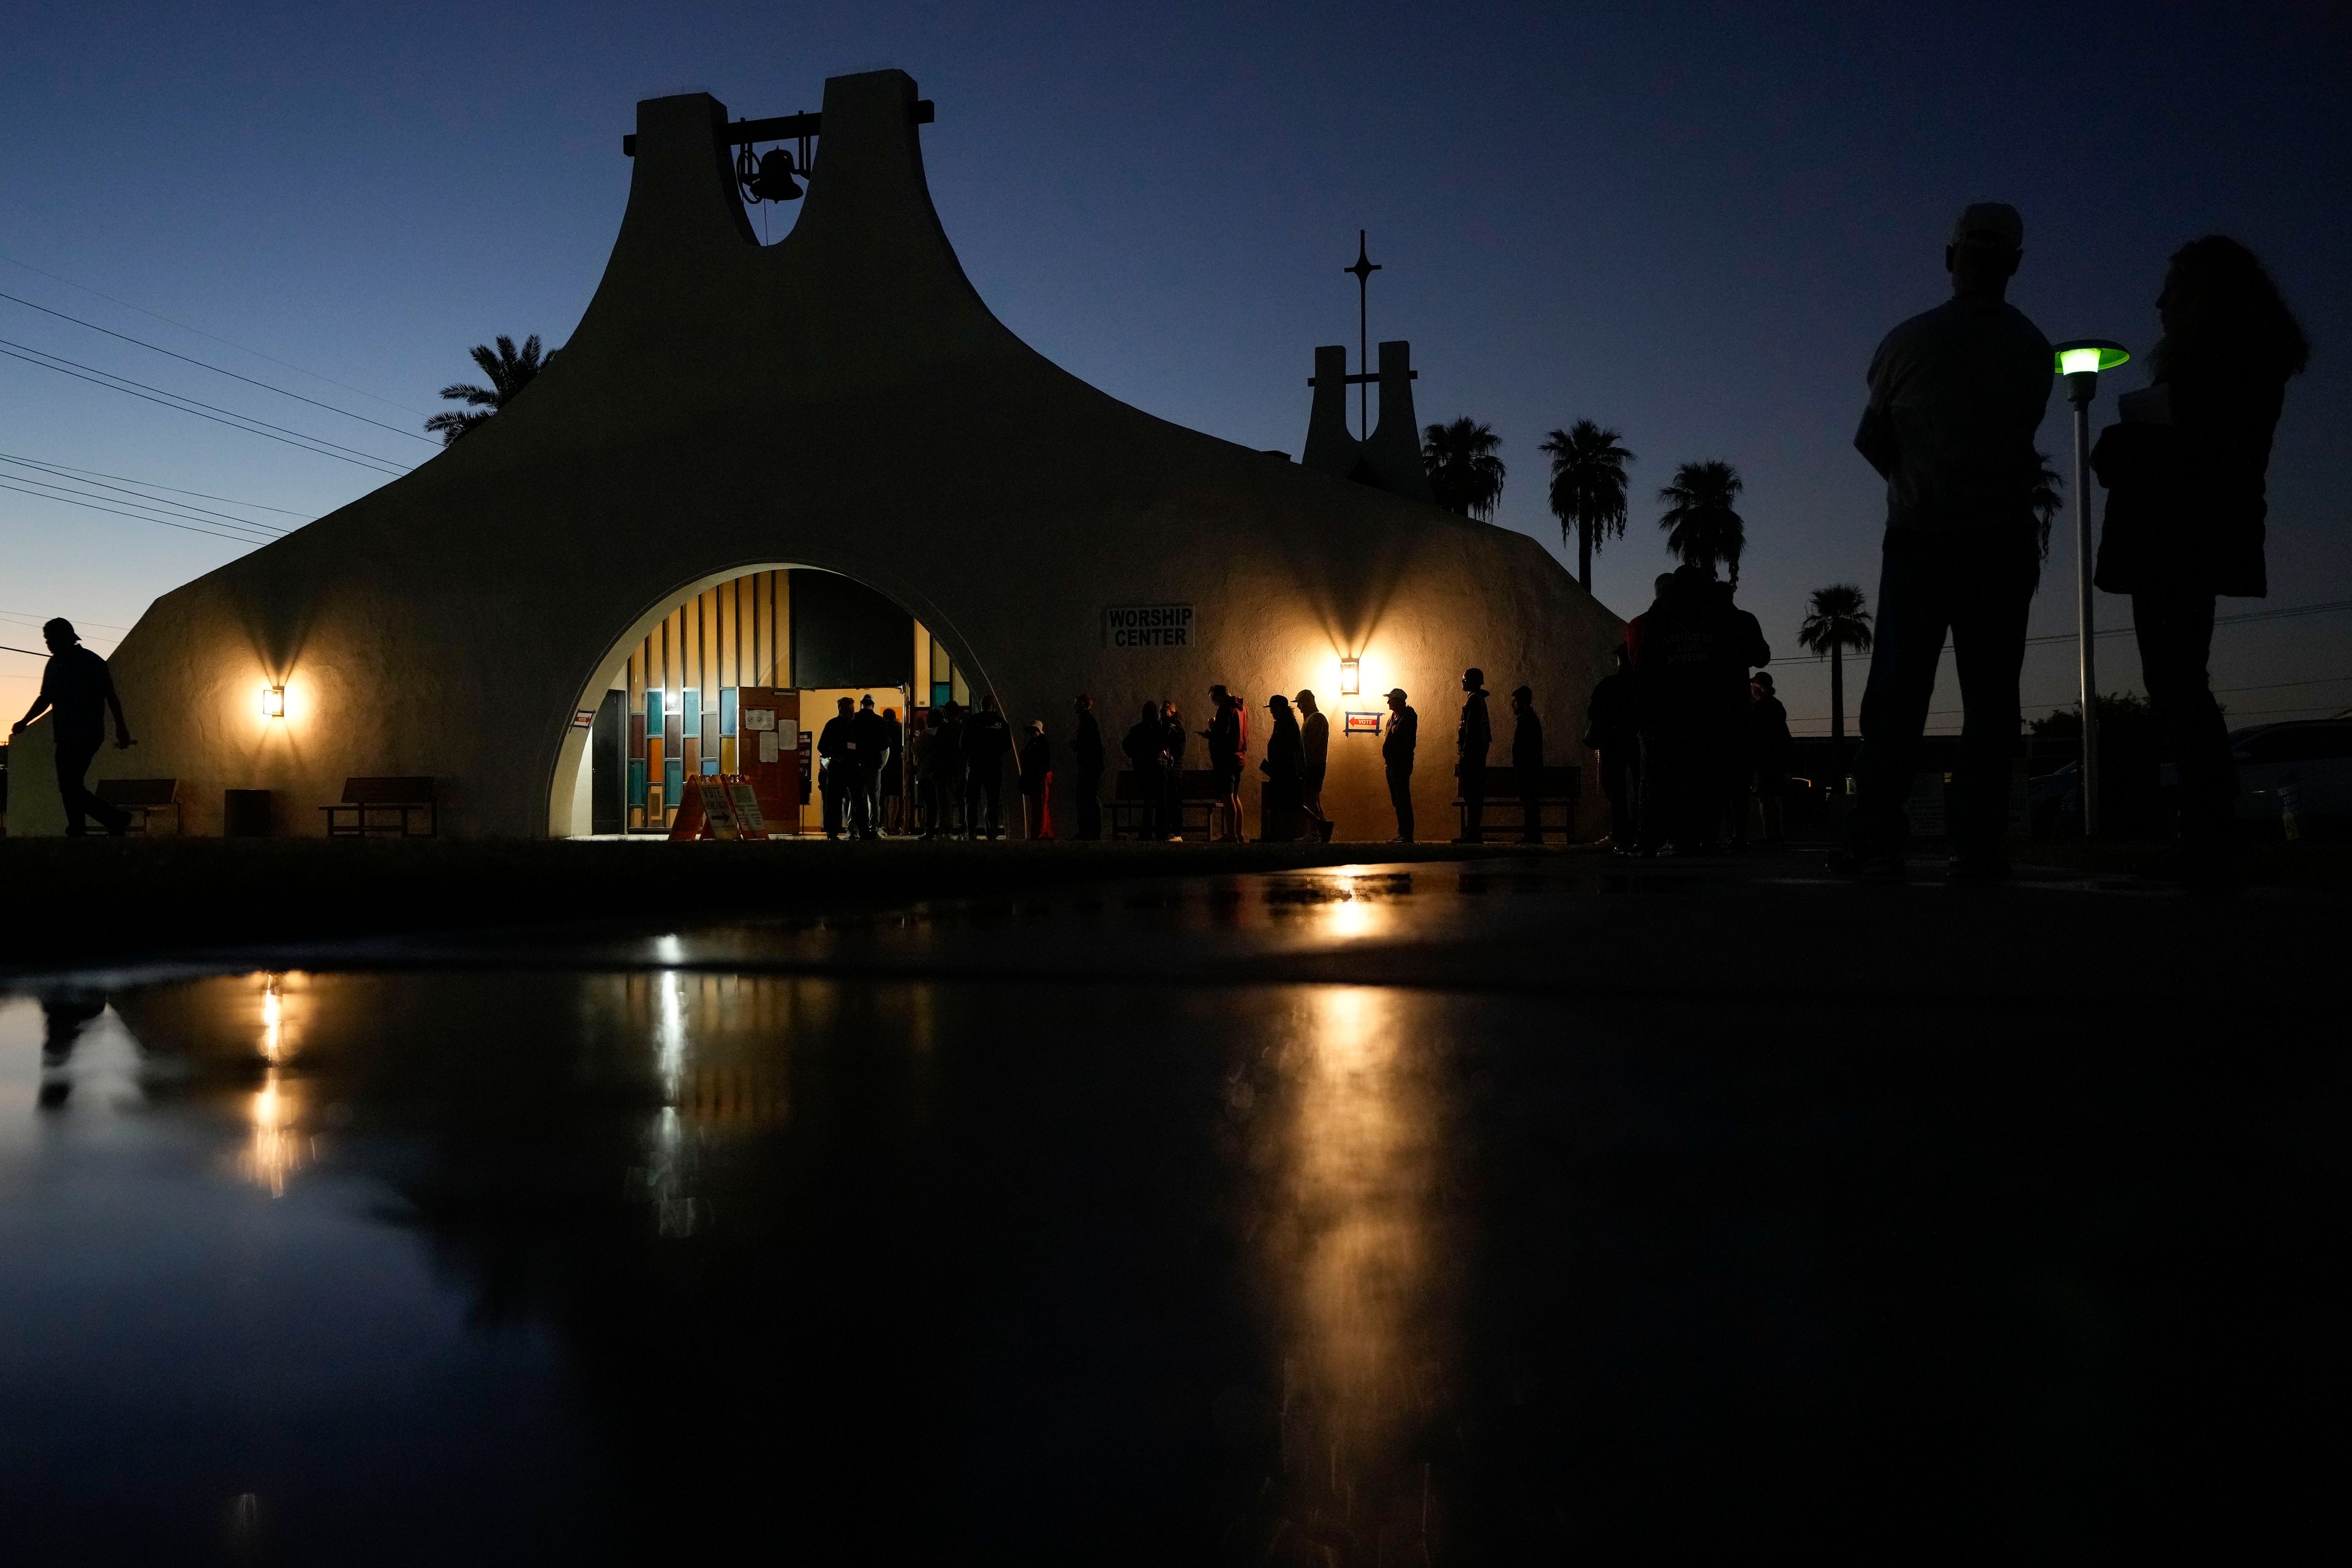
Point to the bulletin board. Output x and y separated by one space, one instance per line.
767 751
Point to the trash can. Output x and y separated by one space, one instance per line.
244 814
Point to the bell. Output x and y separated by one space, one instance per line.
775 181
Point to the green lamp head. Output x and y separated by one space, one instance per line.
2081 359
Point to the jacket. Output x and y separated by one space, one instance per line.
1475 735
1401 736
1527 743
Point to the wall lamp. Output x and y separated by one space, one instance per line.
273 702
1351 678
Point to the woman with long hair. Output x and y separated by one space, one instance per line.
2186 511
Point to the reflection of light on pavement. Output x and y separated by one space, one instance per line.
1350 916
667 1152
273 1020
668 949
669 1037
274 1152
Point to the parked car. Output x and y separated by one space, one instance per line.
2306 763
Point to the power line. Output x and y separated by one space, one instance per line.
183 509
35 619
150 484
307 443
217 370
199 332
244 539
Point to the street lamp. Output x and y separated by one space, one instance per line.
2080 362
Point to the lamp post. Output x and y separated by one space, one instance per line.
2080 362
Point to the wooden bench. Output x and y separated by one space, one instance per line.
1504 819
362 798
1129 809
143 798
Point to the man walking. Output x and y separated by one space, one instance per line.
78 687
1527 764
1397 744
1613 729
1315 741
1955 398
1472 739
1087 767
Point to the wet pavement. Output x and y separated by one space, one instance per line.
1520 1212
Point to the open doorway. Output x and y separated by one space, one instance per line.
737 677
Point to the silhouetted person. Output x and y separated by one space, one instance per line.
1315 745
1285 767
1173 741
1770 745
836 776
869 749
1227 747
1955 398
1527 764
1613 729
1741 649
2186 511
1398 743
1087 767
952 770
1036 774
1473 735
1142 746
923 756
987 742
1676 646
895 818
78 689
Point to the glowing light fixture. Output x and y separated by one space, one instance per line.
273 702
2080 362
1351 678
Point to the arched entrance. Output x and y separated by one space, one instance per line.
668 701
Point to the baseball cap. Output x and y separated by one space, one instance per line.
1994 225
1396 691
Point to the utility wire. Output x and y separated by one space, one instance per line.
199 332
77 620
245 538
307 443
182 507
217 370
150 484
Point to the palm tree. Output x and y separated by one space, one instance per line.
1465 478
2049 498
1838 621
1701 526
1588 488
509 371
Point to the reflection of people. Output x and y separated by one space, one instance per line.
1613 729
1036 771
836 770
1956 395
78 687
1087 767
1472 737
1397 744
987 740
1527 764
2185 509
63 1015
1315 745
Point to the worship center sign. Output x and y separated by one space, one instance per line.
1148 625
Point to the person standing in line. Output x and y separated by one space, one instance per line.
1769 744
78 687
1087 767
1285 767
837 767
1528 763
1227 748
1140 745
1613 732
949 761
923 759
1740 646
1173 741
2186 473
869 744
1035 769
987 741
1473 737
894 818
1397 745
1956 395
1315 745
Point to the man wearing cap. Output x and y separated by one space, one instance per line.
1956 395
80 688
1473 737
1397 744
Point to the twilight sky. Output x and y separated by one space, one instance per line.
1690 222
